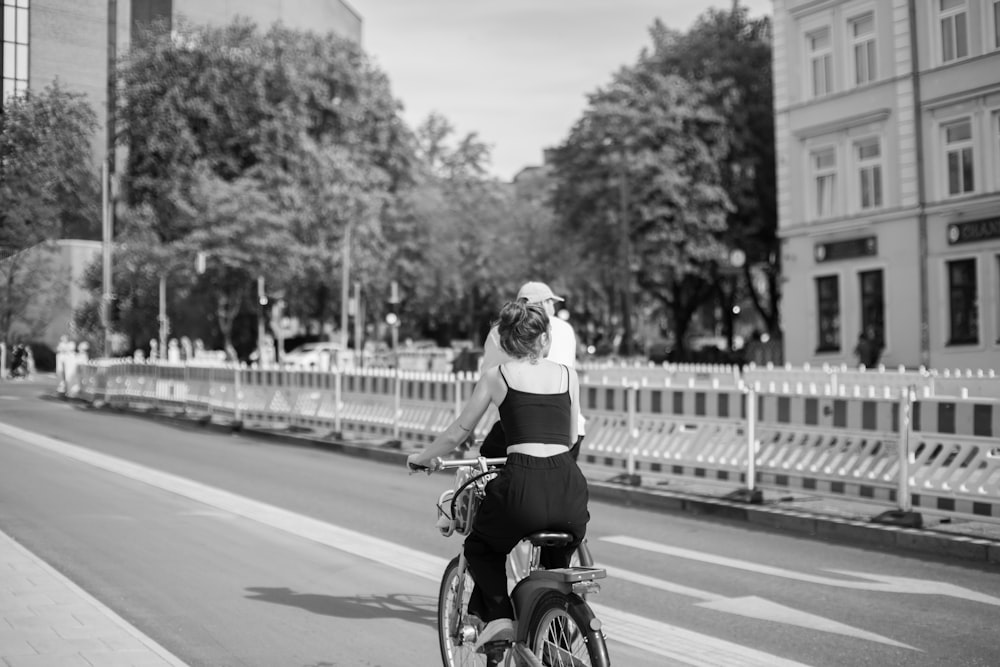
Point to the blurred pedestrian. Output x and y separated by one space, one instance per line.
869 348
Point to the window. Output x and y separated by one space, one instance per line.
995 25
824 165
872 304
821 61
995 131
954 30
828 314
963 303
862 30
15 49
868 154
958 156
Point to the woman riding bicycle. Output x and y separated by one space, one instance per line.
540 487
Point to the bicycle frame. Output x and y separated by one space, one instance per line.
532 597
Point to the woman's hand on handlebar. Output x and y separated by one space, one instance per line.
415 464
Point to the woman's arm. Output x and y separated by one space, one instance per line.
458 430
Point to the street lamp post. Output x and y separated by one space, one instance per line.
625 249
106 237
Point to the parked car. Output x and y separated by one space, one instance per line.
321 355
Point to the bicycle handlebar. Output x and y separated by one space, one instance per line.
468 463
447 464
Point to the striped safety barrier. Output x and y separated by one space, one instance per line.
955 452
937 454
829 446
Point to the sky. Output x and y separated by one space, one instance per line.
515 72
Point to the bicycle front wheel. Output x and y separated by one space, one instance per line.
564 632
456 635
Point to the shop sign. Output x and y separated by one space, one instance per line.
866 246
976 230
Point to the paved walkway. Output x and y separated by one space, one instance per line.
48 621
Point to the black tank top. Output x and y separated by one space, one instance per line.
529 417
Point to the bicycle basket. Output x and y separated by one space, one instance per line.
470 487
445 522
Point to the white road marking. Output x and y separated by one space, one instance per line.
885 584
661 639
754 607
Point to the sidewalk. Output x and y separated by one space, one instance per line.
48 621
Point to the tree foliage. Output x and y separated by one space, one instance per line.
268 145
732 53
31 288
639 179
48 184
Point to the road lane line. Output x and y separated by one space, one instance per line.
754 607
885 583
656 637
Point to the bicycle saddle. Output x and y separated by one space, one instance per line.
549 539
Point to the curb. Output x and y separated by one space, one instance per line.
815 525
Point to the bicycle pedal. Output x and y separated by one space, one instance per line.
494 650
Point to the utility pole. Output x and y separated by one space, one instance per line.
261 332
345 277
106 237
164 322
107 171
625 249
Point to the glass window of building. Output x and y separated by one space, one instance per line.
958 157
954 30
862 30
872 304
995 23
828 314
15 48
963 303
824 166
868 154
821 61
995 131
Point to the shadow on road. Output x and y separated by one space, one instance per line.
415 608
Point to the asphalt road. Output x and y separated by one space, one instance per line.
232 551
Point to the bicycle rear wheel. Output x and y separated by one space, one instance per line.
564 632
456 636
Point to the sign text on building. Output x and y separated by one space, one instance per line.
976 230
865 246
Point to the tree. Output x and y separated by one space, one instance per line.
48 185
638 181
30 290
732 52
450 226
298 132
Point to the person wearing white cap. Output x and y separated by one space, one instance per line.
562 351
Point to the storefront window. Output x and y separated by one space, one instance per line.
828 314
963 303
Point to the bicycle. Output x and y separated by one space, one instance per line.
555 627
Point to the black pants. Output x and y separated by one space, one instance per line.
530 494
495 443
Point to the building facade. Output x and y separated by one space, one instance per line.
77 41
887 125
